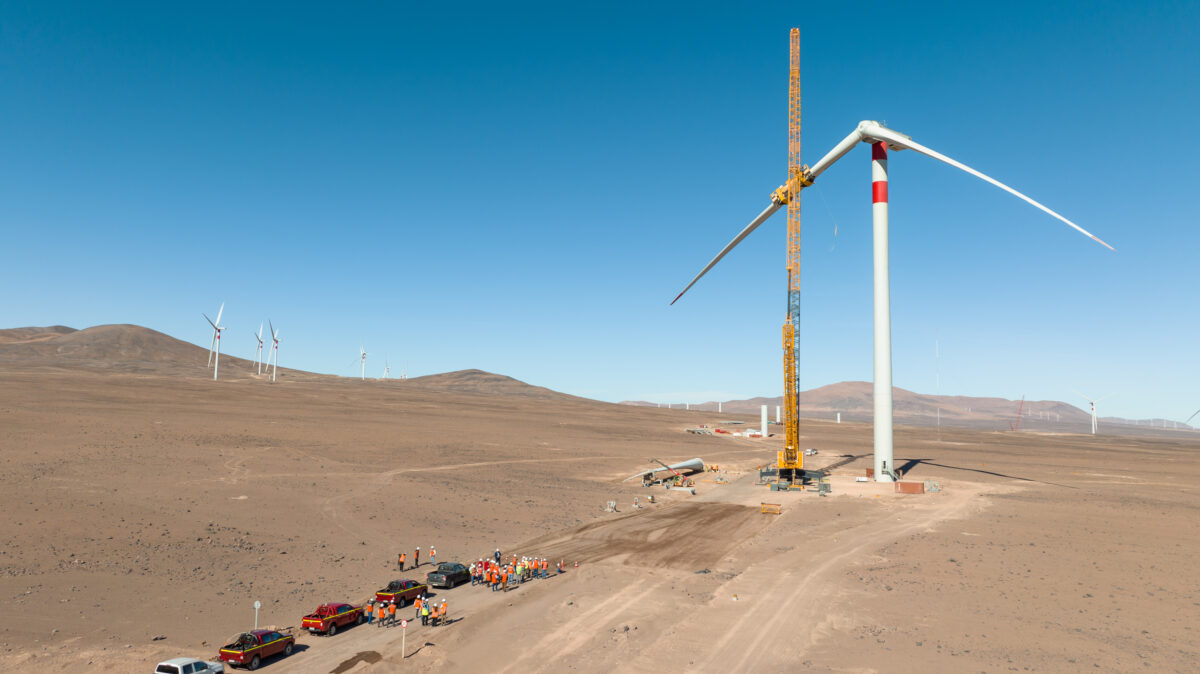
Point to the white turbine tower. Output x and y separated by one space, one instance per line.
274 356
362 355
1093 404
881 140
258 352
214 349
387 369
212 345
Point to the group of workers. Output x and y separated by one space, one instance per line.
497 575
383 613
493 573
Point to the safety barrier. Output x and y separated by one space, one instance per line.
772 508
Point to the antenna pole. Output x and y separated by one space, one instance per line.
884 465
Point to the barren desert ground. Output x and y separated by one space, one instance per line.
140 505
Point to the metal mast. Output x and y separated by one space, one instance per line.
790 459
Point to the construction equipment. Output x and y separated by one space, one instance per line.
790 461
772 509
799 177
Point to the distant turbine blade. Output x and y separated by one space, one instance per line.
893 138
260 327
1189 419
272 326
219 312
210 321
762 217
1106 397
1082 396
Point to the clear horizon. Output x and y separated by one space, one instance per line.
524 192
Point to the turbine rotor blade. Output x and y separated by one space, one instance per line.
1189 419
762 217
885 134
210 321
219 312
272 326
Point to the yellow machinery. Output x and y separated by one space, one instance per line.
791 459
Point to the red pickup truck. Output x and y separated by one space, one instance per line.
249 649
403 592
329 617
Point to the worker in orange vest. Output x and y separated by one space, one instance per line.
504 577
432 555
444 612
417 557
382 612
392 612
403 558
369 610
417 602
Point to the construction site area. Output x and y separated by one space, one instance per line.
309 489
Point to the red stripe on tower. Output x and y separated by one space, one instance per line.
879 192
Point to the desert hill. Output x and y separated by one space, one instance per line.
137 349
120 347
486 383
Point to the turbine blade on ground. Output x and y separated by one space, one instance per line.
762 217
899 140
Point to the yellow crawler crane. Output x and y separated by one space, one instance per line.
791 459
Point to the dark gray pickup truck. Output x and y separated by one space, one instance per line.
448 574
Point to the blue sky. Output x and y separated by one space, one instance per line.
523 188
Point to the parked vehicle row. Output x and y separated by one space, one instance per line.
250 649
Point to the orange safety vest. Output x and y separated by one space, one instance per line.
403 558
381 610
504 576
392 610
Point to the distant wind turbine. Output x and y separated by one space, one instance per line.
362 355
214 349
387 369
274 351
258 352
1093 404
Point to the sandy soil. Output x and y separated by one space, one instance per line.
140 506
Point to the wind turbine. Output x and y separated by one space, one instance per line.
362 355
274 356
1093 404
258 352
216 333
800 176
214 349
387 369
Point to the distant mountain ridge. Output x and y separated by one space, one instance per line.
854 400
136 349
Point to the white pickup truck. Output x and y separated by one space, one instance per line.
189 666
